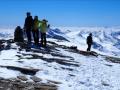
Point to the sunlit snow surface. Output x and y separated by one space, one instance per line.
94 73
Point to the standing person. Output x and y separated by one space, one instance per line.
28 26
43 30
89 42
35 30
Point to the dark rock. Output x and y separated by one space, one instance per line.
112 59
55 82
105 84
8 84
23 78
36 79
109 65
70 69
73 47
91 53
28 71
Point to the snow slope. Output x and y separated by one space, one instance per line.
106 40
78 73
88 73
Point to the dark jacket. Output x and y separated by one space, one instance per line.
28 23
89 40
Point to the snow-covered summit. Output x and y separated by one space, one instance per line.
58 64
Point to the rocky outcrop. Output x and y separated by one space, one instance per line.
18 84
28 71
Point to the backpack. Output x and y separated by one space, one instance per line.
18 34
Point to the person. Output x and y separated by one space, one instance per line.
28 26
89 42
18 34
35 30
43 31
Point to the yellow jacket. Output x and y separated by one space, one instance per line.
36 24
43 27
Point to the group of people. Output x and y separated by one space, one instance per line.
32 28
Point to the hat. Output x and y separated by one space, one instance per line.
44 20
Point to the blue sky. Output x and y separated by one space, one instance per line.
62 12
